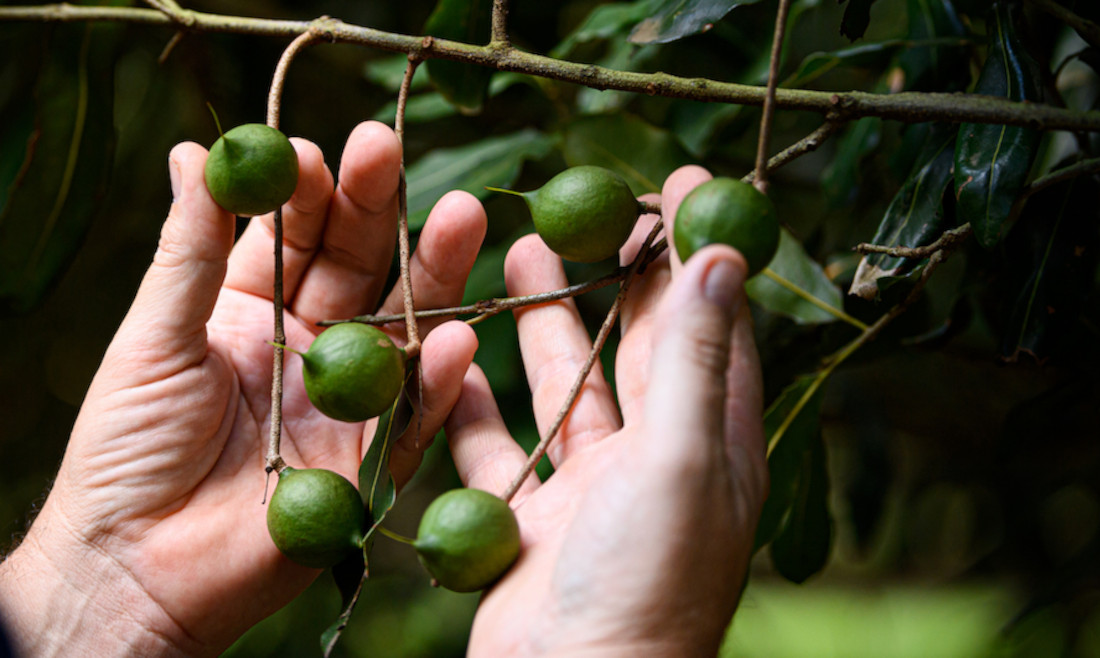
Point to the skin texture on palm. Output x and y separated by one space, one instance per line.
639 541
153 539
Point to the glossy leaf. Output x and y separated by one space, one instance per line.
642 154
676 19
992 161
57 163
464 85
494 161
795 286
935 68
914 218
803 546
1054 247
791 423
857 16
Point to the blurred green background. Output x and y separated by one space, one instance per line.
965 491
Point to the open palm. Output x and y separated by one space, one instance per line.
163 480
639 541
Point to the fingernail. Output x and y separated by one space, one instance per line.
720 286
174 175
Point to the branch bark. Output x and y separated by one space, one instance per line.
907 107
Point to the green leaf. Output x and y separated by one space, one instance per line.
376 485
676 19
992 161
55 160
868 55
935 68
606 22
641 153
802 547
464 85
494 161
1054 250
791 424
795 286
914 218
349 574
389 72
841 176
857 16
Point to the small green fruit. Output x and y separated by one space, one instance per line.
467 539
251 170
584 214
315 517
730 212
353 372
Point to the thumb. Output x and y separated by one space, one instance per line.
686 398
177 295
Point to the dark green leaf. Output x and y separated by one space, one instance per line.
914 218
350 575
676 19
871 55
857 16
494 161
841 176
695 124
992 161
55 174
641 153
935 68
1054 248
803 294
375 482
606 22
464 85
802 547
791 423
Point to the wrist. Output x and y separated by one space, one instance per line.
61 595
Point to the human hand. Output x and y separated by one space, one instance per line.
153 540
639 542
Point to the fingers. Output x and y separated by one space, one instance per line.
166 323
445 253
677 186
636 322
447 354
251 267
687 393
484 452
555 345
348 274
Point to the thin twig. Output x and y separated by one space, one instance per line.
907 107
807 144
593 354
761 169
275 94
274 461
1082 168
500 24
412 347
495 305
1088 30
170 46
946 241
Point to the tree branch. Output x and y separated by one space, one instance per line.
1088 30
907 107
760 179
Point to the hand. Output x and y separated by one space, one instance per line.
639 542
153 540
